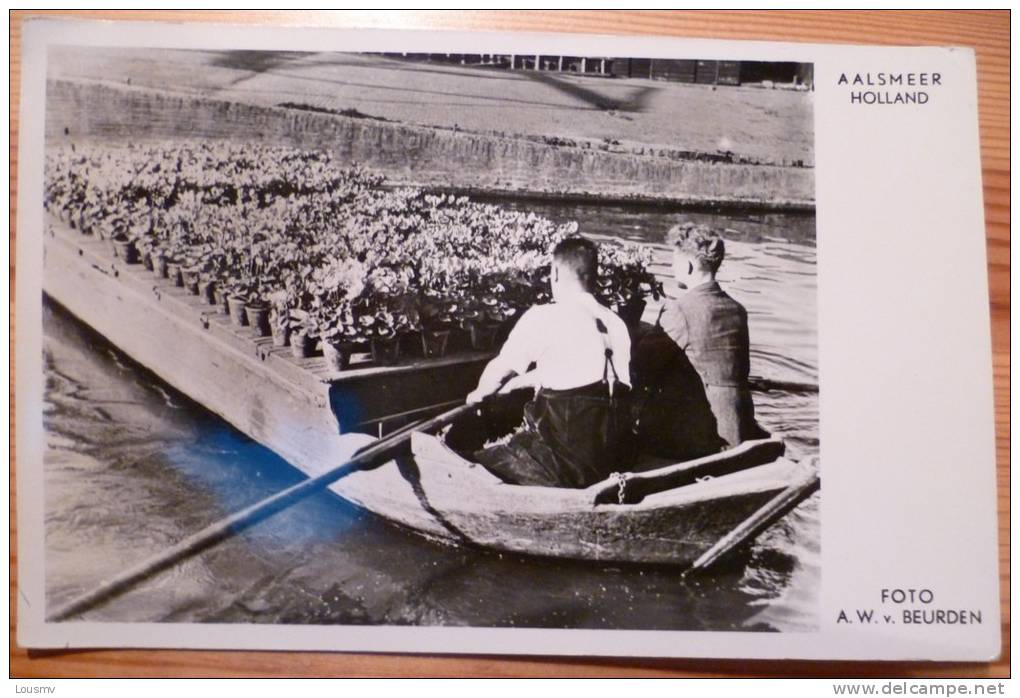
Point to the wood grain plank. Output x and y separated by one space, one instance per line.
985 31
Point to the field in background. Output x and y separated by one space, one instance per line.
767 125
452 128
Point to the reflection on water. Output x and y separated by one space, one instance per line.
132 467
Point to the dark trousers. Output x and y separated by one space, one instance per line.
569 438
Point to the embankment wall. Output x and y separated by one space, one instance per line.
421 155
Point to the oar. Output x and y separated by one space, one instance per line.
775 509
370 457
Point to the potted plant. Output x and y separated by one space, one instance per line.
124 248
259 283
483 335
639 286
257 314
122 243
340 335
144 245
173 268
236 300
387 311
338 345
279 327
435 340
302 339
244 289
385 342
329 290
625 282
487 314
631 311
226 283
436 321
221 295
207 287
190 273
158 261
93 212
279 317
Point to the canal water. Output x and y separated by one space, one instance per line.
132 467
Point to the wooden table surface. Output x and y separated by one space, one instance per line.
986 31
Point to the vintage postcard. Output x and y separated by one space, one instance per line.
492 343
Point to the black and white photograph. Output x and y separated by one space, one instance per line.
526 341
479 344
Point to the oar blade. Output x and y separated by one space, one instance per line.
756 524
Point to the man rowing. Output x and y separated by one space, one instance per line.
574 354
693 367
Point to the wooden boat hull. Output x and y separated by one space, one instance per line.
436 493
297 411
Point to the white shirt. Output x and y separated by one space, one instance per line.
564 342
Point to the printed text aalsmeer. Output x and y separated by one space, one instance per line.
890 88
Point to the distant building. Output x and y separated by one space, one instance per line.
702 72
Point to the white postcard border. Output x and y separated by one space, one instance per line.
900 233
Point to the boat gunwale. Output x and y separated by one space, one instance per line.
454 466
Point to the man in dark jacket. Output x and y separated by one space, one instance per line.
693 367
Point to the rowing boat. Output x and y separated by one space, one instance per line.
316 418
437 492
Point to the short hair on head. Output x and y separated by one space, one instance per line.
581 256
700 242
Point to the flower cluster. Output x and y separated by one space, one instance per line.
331 248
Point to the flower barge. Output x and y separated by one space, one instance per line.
315 418
220 268
266 391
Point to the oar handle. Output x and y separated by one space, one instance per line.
372 456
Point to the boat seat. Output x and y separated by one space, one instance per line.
647 462
636 485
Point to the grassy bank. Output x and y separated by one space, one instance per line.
84 110
769 126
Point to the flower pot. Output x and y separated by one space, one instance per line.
159 264
434 343
632 312
207 290
281 335
126 250
236 309
483 336
173 272
190 277
146 260
337 355
258 318
469 318
386 352
222 300
506 327
301 345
